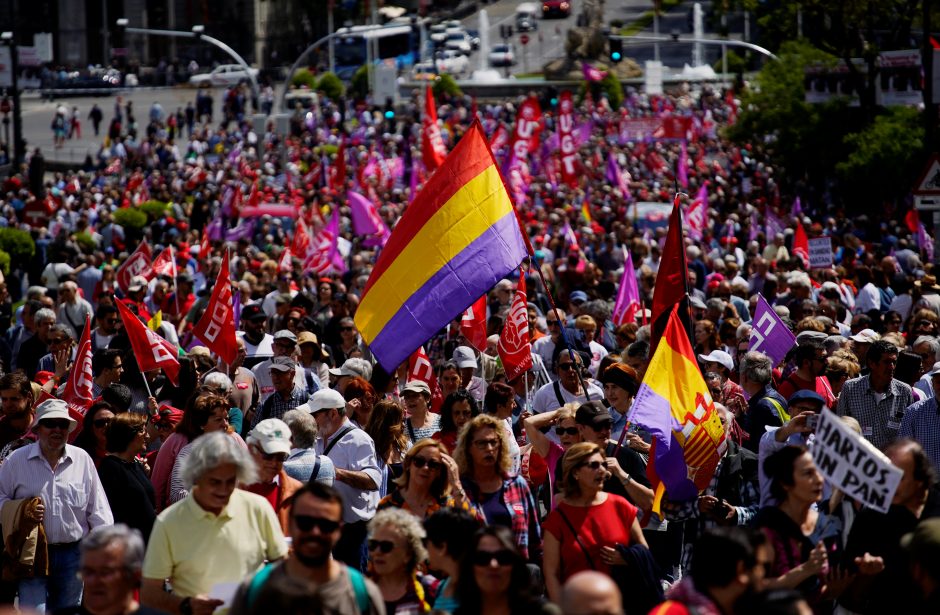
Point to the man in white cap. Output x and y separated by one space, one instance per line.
64 477
269 444
358 477
466 361
351 368
731 393
283 346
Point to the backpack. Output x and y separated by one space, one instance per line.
355 577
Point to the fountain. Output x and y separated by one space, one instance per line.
483 71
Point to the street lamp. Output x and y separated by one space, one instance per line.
19 149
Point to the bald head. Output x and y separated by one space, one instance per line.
591 593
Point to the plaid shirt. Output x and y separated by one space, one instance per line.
880 421
274 407
748 498
521 506
921 422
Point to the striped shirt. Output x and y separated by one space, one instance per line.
73 497
879 415
921 422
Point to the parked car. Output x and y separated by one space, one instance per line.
502 55
527 15
222 75
556 8
474 38
459 42
453 62
438 34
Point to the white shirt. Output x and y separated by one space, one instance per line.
546 400
868 299
262 372
73 497
265 349
355 452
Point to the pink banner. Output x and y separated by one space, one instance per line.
569 150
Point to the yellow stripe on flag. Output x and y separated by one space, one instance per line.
155 321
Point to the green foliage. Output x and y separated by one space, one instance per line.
737 64
130 218
331 86
303 78
17 244
445 87
86 241
154 209
884 158
609 86
4 263
359 84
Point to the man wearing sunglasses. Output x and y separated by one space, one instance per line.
315 526
567 388
269 444
107 322
64 477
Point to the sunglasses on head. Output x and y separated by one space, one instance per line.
55 423
594 465
503 557
420 462
571 431
384 546
305 523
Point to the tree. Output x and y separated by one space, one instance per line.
331 86
445 87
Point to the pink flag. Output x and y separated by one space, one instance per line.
591 73
682 174
628 296
696 216
366 220
924 241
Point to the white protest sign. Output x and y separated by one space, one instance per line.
853 464
820 252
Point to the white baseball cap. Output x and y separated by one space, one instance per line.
718 356
324 399
272 435
465 357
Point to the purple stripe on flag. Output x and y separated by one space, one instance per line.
652 412
769 334
483 263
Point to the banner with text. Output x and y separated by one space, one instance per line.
820 252
769 334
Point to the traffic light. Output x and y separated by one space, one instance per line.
616 49
389 109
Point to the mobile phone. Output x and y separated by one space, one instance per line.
812 422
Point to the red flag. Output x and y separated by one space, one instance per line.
473 324
237 201
78 388
285 264
164 264
338 169
217 326
514 348
525 138
419 368
137 263
151 351
301 243
205 247
254 197
433 151
801 244
569 149
912 220
672 277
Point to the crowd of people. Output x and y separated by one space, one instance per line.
303 477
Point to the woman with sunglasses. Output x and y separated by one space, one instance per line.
482 456
396 549
93 437
123 474
562 423
429 482
494 579
456 411
589 528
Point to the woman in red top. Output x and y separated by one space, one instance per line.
584 531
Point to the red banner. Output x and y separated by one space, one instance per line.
525 137
151 351
419 368
338 169
285 264
217 326
473 324
137 263
164 263
514 349
78 388
433 151
569 149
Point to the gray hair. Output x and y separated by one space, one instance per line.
42 315
757 366
66 329
597 309
405 525
303 428
715 303
211 450
218 380
930 341
35 292
103 536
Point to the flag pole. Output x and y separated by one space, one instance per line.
176 286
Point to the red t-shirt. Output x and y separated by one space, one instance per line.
601 525
820 385
269 491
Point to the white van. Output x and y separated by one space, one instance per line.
527 15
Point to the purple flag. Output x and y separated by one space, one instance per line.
753 228
584 132
769 334
924 241
797 209
615 177
682 174
774 225
237 308
628 296
366 220
591 73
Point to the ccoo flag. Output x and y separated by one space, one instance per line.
674 405
457 239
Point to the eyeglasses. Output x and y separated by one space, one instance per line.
551 323
567 366
347 328
99 423
420 462
594 465
305 523
112 321
485 444
384 546
55 423
279 457
503 557
571 431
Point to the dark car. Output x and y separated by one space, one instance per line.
556 8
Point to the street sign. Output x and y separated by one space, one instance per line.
524 39
5 106
929 182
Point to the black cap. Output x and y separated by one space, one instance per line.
593 414
253 312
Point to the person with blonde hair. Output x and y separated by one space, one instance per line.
483 458
430 481
590 529
396 549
